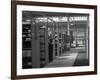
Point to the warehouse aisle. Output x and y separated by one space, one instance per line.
74 57
66 59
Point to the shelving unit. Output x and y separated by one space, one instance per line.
26 47
56 43
42 47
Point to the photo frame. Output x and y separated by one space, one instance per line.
73 26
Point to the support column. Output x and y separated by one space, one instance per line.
68 34
68 27
87 38
60 37
35 45
57 38
54 25
46 43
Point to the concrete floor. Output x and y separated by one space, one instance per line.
74 57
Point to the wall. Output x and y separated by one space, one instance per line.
5 40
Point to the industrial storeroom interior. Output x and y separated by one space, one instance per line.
54 39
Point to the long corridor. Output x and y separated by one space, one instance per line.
74 57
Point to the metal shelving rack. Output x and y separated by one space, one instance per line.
26 47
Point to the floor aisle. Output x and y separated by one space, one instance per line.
70 58
66 59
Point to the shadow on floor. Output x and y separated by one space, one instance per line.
81 60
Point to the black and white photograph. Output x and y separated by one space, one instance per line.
52 39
